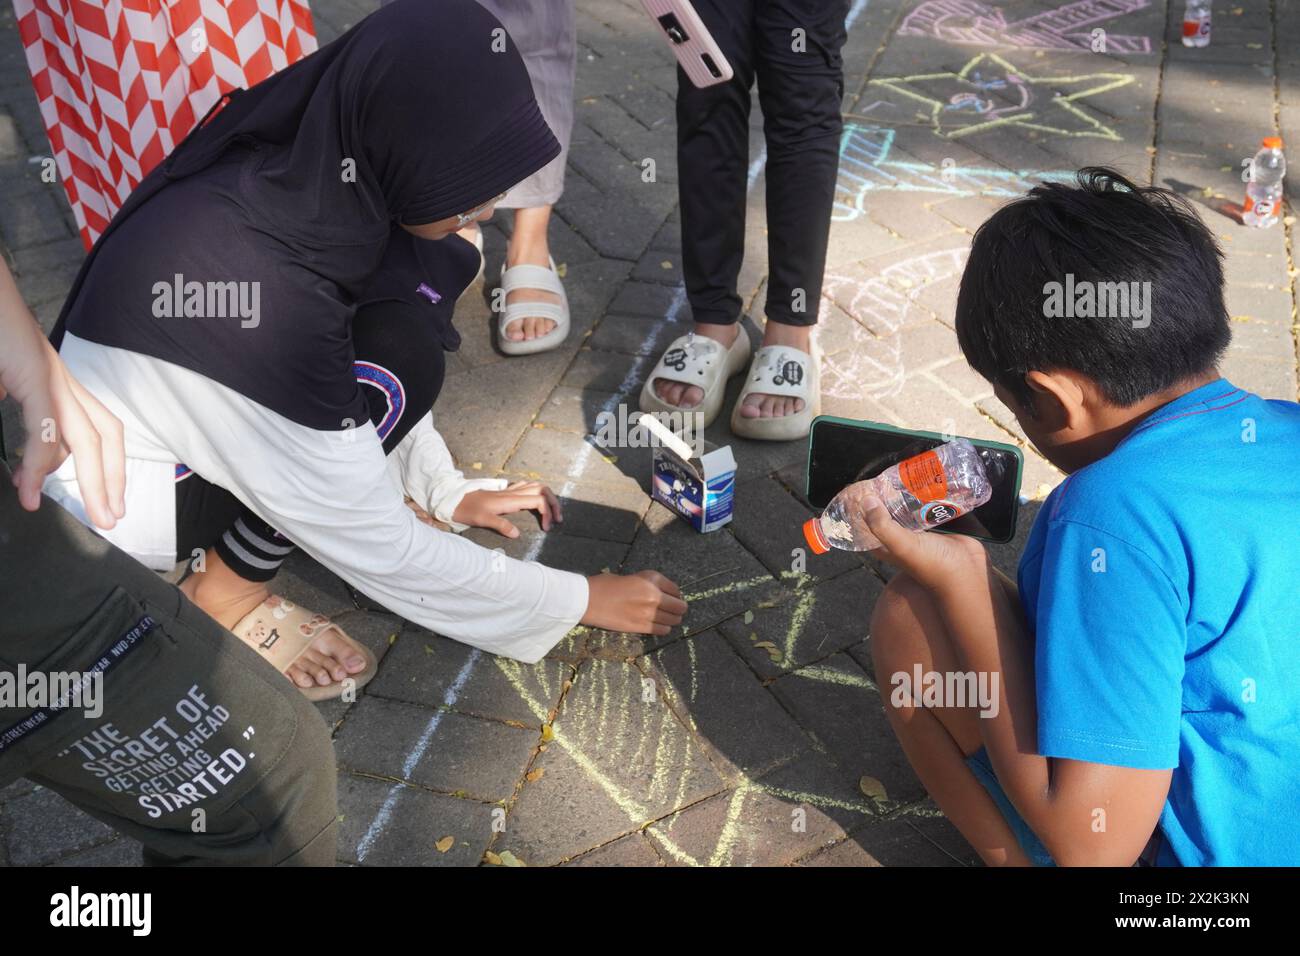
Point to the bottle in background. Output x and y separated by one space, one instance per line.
1196 23
1264 190
921 492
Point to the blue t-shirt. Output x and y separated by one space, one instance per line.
1161 584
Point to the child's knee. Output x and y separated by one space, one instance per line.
898 622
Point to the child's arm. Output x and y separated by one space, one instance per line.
1085 813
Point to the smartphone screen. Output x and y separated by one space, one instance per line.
841 453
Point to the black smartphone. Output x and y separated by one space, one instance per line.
842 451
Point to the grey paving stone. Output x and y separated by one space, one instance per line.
659 265
422 668
443 751
120 852
718 577
772 821
644 338
616 762
387 824
650 300
836 702
632 850
722 702
820 619
770 527
887 843
41 827
31 219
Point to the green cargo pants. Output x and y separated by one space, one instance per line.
192 744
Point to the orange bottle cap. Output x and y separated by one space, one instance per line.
1272 142
812 533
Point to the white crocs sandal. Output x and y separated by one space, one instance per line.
696 360
541 279
781 370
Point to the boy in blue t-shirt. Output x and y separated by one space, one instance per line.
1145 672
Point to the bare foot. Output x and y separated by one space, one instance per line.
758 405
681 395
228 599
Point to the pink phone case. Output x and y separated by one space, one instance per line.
695 49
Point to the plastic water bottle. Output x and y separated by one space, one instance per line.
1263 202
921 492
1196 23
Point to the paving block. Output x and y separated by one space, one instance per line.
391 824
437 749
433 671
819 620
735 718
41 827
839 705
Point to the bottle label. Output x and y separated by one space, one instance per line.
1259 208
923 476
1198 27
939 512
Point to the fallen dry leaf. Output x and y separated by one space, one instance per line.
509 859
445 844
534 775
872 788
492 858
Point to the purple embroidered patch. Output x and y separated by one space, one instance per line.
429 293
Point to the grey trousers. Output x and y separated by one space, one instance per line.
200 751
546 34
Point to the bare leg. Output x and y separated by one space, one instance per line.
906 629
227 598
529 246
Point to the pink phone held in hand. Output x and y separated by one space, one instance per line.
700 56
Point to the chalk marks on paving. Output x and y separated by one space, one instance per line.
871 363
866 166
413 757
989 92
1067 27
610 730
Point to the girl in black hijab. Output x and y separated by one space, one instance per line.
266 315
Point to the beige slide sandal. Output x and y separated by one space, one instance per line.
700 361
281 632
781 370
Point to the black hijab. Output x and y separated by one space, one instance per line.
417 113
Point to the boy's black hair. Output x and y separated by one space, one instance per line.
1105 229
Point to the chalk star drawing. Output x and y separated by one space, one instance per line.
866 165
990 92
872 366
1065 28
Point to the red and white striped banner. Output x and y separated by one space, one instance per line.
121 82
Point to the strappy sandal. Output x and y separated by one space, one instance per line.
281 632
781 370
541 279
700 361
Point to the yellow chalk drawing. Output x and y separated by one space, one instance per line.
830 675
963 103
639 816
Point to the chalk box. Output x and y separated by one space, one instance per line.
701 490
